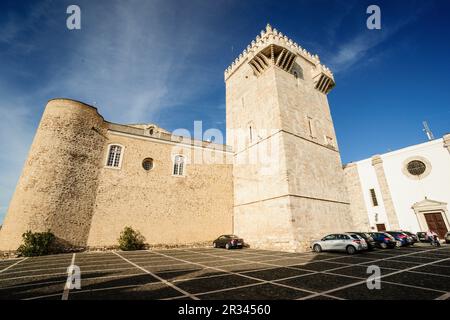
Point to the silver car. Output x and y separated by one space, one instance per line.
347 242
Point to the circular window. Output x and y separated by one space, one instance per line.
416 167
147 164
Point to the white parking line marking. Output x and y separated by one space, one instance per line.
259 281
84 291
346 266
384 281
14 264
385 275
232 259
33 270
65 273
34 276
445 296
65 294
158 277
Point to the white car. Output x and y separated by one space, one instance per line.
347 242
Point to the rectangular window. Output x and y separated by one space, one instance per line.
114 156
374 197
178 166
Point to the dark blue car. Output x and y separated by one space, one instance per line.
401 238
383 240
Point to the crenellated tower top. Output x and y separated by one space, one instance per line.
272 47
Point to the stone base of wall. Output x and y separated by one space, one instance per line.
291 246
204 244
7 255
13 253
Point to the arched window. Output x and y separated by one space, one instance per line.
114 156
178 166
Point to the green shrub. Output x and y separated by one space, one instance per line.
131 240
36 244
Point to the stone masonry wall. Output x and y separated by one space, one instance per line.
357 204
166 209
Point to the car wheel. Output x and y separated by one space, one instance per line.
227 246
317 248
351 250
383 245
398 244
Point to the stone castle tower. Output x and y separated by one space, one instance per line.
288 178
57 188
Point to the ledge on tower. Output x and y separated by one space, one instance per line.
323 79
272 55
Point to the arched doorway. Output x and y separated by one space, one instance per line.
432 215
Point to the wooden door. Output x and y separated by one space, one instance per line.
436 223
381 227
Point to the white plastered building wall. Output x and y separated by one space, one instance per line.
412 196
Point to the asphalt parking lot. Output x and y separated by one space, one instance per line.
206 273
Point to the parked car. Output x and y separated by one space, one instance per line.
383 240
228 241
447 237
422 236
401 238
369 240
348 242
412 235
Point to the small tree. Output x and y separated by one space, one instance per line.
131 240
36 244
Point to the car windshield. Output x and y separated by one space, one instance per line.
354 236
232 236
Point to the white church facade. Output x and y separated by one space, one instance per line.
406 189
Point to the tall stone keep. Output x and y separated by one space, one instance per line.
288 177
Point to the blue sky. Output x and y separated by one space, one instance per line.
163 62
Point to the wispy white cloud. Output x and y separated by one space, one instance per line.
16 134
132 60
361 46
